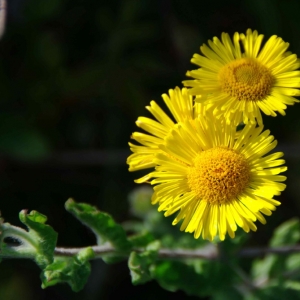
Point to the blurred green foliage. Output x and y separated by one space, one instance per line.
74 76
219 276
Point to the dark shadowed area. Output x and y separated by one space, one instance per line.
74 77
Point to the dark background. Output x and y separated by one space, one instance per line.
74 77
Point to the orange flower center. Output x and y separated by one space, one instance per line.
219 175
246 79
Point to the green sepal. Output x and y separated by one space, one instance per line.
43 236
73 270
140 263
102 224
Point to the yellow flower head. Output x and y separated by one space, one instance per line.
238 82
215 177
181 107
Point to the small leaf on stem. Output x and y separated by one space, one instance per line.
72 270
102 224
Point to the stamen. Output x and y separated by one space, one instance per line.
246 79
219 175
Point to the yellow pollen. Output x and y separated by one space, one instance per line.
219 175
246 79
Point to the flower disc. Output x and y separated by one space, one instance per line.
219 175
246 80
238 80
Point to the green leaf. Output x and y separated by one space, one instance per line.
72 270
292 284
196 277
140 263
102 224
292 264
139 268
141 240
275 292
43 236
263 268
176 275
288 233
38 243
104 227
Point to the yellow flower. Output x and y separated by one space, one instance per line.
215 178
238 83
181 107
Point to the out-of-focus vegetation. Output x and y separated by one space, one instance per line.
74 76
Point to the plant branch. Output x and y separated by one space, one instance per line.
210 252
258 251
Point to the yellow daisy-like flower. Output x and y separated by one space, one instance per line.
215 178
181 107
238 83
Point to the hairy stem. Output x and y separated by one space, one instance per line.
210 252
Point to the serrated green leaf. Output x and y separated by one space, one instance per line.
288 233
102 224
140 263
42 236
72 270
